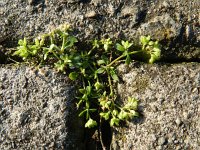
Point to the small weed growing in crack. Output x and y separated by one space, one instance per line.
94 68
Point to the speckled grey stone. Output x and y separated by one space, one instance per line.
37 110
178 121
161 141
167 127
174 23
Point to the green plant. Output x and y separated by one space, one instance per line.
96 69
151 48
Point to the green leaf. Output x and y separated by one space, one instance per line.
82 91
126 44
79 103
22 49
73 75
37 42
132 104
51 48
115 112
100 70
133 113
98 85
102 103
145 40
155 55
89 89
71 40
107 104
64 27
22 52
105 115
47 51
151 49
114 121
34 50
45 56
106 47
63 34
95 44
151 43
106 43
25 42
85 97
92 110
82 113
90 123
60 66
65 58
100 62
21 42
114 75
119 47
128 59
42 40
123 115
105 59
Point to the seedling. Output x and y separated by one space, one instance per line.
96 73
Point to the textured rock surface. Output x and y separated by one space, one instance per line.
37 110
170 107
175 23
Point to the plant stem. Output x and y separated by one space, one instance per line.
51 39
63 44
13 60
120 57
135 52
90 51
100 135
110 84
114 61
56 55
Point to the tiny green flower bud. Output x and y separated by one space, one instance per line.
90 123
98 85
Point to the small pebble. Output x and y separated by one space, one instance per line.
153 137
91 14
178 121
161 141
154 108
165 4
176 142
159 148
